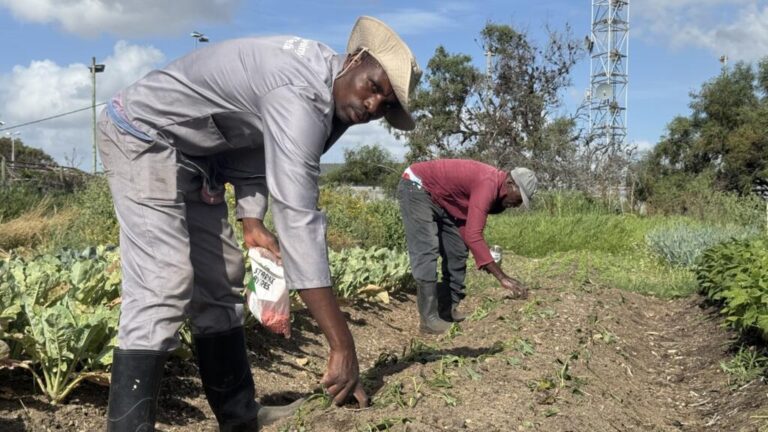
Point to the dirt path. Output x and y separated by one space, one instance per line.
603 360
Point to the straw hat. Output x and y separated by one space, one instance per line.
397 60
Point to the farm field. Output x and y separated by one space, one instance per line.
624 328
578 355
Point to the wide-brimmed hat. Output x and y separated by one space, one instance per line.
397 60
526 181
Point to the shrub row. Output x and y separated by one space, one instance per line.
681 243
735 274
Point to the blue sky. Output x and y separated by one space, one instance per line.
47 44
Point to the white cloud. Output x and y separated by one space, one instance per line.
643 145
736 28
414 21
406 22
366 134
122 17
44 88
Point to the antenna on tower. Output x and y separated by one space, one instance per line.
608 45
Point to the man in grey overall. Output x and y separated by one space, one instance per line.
445 204
257 113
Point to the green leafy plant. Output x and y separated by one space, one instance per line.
355 270
735 274
59 317
67 343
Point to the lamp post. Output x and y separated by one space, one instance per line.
94 68
13 145
199 37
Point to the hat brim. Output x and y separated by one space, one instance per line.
523 192
400 119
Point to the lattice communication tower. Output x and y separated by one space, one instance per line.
608 45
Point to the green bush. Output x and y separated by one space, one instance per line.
681 243
354 221
699 198
736 275
20 198
95 221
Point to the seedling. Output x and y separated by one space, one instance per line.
449 399
473 374
525 347
484 309
418 351
453 331
441 378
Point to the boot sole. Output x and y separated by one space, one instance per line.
270 414
427 330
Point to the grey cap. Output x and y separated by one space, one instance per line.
526 181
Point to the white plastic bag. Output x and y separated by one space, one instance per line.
267 295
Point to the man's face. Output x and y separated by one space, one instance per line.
514 198
362 93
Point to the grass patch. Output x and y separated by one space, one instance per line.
539 234
35 227
745 366
639 272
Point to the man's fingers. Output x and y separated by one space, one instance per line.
334 389
341 397
326 381
362 398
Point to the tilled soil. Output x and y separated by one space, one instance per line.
584 360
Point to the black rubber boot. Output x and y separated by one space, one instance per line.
426 301
133 390
228 383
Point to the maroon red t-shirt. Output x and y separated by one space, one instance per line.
467 190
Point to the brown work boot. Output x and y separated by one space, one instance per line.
458 315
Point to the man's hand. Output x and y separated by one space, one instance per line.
519 291
255 234
342 376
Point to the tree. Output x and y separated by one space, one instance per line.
444 125
367 165
725 134
506 117
22 153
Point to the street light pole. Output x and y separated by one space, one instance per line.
199 37
94 68
13 146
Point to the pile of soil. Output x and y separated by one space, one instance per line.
586 360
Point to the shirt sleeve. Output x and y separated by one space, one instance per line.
244 169
480 201
295 131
